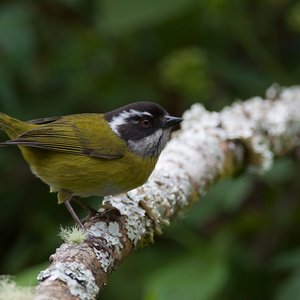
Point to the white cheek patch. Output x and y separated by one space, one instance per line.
151 145
123 118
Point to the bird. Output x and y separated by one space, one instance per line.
92 154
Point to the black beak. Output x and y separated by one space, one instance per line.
170 121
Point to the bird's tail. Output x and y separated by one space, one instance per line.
13 127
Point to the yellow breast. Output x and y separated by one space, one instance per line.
88 176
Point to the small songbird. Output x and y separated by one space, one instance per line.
90 154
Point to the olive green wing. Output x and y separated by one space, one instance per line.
43 120
84 134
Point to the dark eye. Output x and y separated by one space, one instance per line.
146 123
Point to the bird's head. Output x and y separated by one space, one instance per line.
144 126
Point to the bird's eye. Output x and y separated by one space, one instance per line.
146 123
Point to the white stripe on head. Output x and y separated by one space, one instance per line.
123 117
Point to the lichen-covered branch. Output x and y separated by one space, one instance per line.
209 145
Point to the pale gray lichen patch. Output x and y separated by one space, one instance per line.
243 121
267 127
79 279
165 195
283 121
263 155
104 258
110 232
136 223
209 159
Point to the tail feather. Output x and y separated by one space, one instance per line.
3 123
13 127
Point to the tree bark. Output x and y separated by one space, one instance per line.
208 146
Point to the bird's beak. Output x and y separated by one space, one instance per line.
170 121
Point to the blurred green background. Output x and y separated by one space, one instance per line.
59 57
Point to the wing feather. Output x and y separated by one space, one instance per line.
70 135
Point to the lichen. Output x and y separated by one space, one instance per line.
266 127
135 225
110 235
73 235
109 232
243 121
10 291
200 146
103 257
79 279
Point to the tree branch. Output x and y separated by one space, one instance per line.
209 145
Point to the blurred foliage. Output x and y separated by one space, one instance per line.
293 17
185 71
58 57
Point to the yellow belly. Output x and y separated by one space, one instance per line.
86 176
